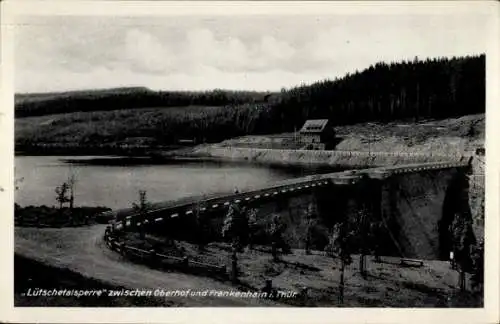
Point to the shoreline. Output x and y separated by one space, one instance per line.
216 153
117 160
326 158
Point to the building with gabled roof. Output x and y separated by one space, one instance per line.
317 134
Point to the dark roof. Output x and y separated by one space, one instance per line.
314 126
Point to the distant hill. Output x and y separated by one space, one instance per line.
39 104
21 98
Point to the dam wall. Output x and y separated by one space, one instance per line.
419 207
323 157
415 203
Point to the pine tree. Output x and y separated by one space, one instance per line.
461 246
201 220
362 233
235 229
340 246
477 277
276 230
311 215
374 238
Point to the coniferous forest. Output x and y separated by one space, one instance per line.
435 88
409 90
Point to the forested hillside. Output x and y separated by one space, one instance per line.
39 104
435 88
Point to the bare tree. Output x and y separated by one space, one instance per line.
71 183
62 194
71 188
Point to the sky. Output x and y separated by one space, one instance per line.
248 52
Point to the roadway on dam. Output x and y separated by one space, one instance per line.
188 205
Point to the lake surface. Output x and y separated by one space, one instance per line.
106 182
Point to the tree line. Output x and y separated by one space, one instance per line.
39 104
155 126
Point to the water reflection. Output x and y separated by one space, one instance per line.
114 182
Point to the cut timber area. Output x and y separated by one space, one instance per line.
445 136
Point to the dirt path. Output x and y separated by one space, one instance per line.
82 250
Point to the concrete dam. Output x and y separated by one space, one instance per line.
415 203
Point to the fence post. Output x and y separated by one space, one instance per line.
119 247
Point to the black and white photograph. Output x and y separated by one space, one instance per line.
296 158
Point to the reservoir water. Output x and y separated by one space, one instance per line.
111 182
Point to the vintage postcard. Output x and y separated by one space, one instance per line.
264 162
